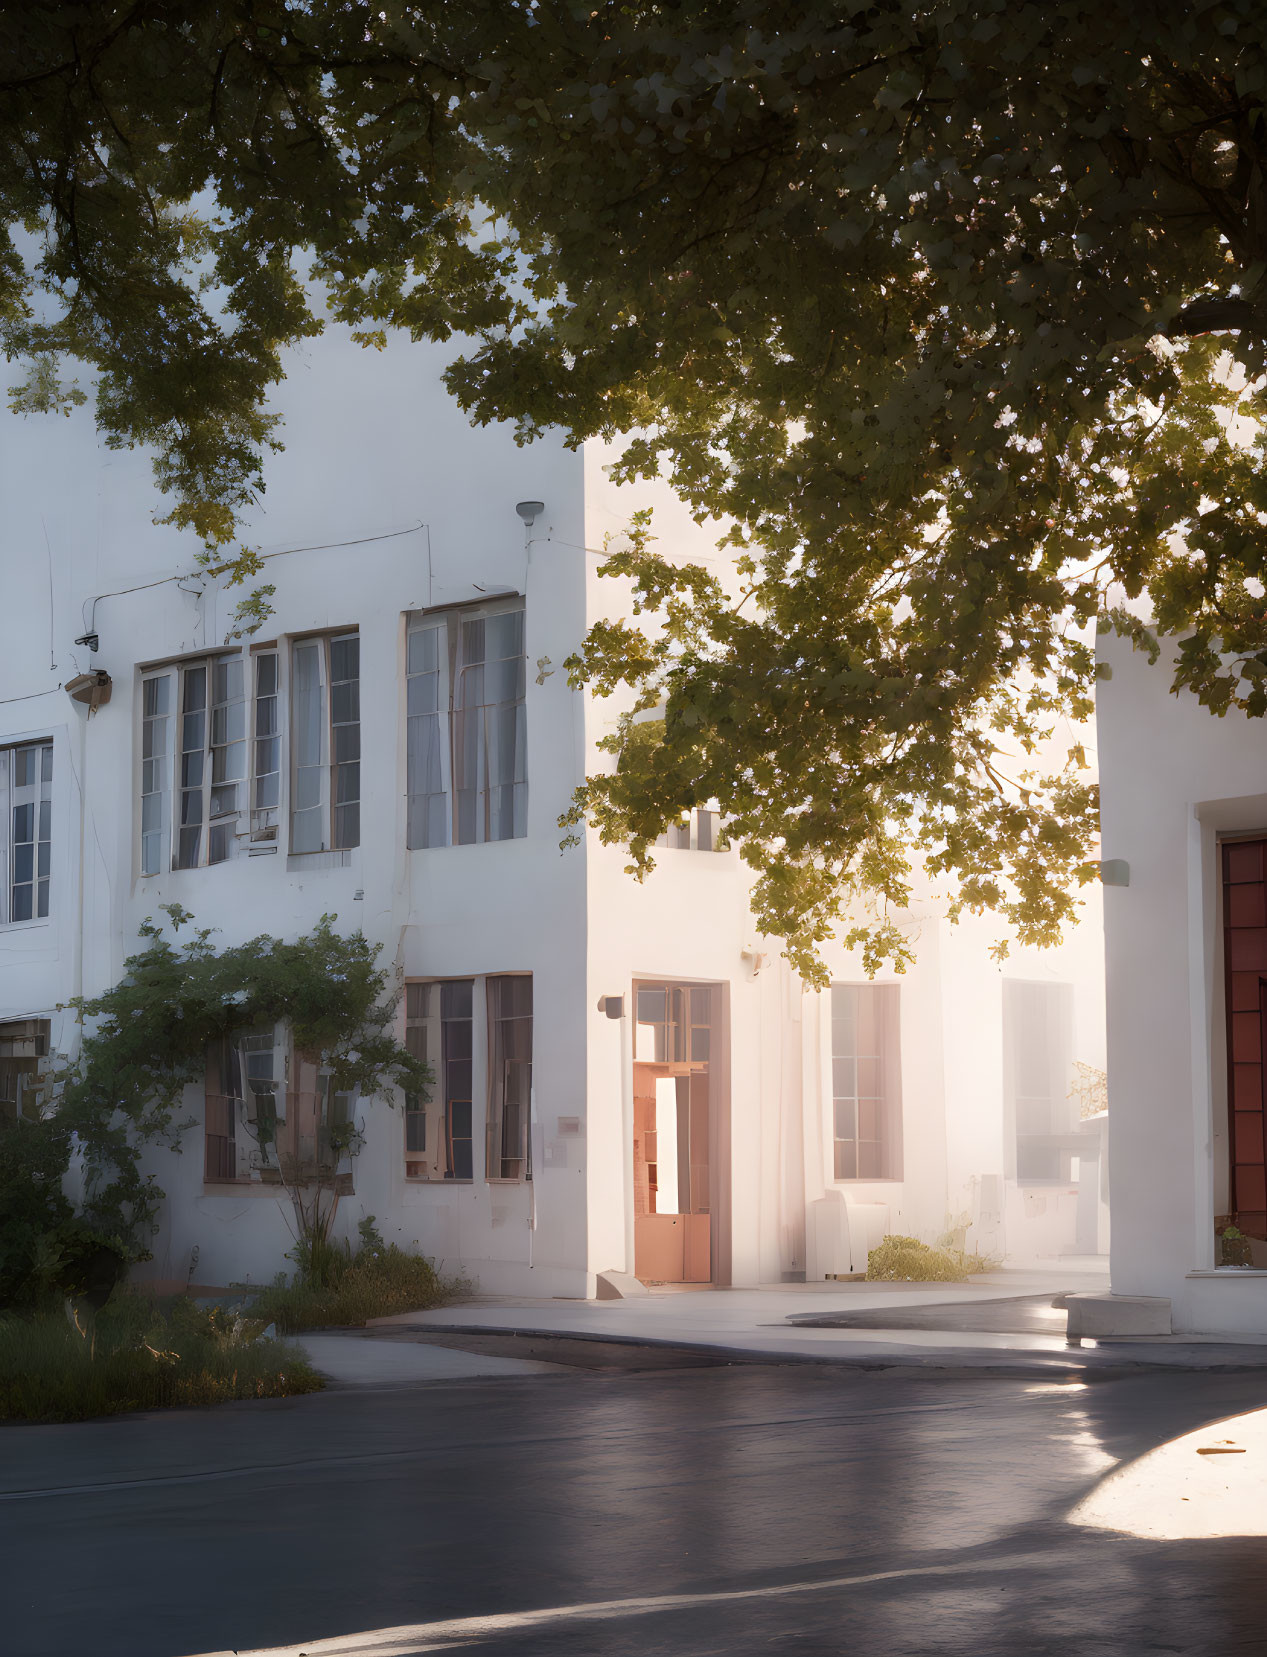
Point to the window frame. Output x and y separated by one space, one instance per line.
885 1074
502 1109
1057 1017
35 1030
335 773
428 1028
300 1105
700 830
485 1083
263 815
40 840
450 713
226 829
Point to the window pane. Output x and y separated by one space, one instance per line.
345 658
346 739
158 695
308 829
866 1105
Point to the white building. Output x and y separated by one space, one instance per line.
395 748
1184 823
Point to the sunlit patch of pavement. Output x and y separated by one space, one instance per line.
1212 1482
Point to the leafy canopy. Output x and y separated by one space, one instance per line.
947 306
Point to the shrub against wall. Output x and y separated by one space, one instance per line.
144 1040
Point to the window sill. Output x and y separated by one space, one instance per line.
240 1187
421 1179
321 860
470 845
32 925
1227 1273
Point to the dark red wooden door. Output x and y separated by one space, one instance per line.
1245 956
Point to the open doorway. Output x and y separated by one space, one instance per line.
677 1102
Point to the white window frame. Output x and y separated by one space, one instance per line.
265 786
39 796
428 1159
847 1085
332 770
162 759
449 624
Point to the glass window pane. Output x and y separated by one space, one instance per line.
345 657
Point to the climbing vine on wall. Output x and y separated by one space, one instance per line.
146 1038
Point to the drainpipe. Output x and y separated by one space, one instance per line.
627 1117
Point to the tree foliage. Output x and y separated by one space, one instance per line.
144 1041
954 310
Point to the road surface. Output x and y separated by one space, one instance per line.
722 1510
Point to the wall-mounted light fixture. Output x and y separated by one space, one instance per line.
90 639
1116 871
612 1005
530 511
92 689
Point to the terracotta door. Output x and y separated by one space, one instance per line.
673 1135
1245 954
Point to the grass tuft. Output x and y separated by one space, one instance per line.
907 1260
379 1280
136 1354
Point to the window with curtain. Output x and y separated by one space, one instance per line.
866 1086
26 811
200 778
439 1030
467 742
325 811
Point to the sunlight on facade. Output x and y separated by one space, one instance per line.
1209 1483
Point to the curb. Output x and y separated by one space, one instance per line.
1005 1365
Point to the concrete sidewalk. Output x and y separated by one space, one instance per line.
352 1359
762 1324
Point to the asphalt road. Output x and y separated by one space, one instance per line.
725 1510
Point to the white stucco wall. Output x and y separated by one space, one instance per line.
376 455
1172 778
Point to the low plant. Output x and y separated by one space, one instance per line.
142 1042
335 1285
907 1260
138 1354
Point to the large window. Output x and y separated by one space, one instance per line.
441 1021
23 1068
866 1081
213 758
467 748
26 810
273 1114
1037 1070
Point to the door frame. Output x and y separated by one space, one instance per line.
719 1134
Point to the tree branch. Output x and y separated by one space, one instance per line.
1215 314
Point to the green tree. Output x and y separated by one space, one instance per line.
947 306
144 1041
